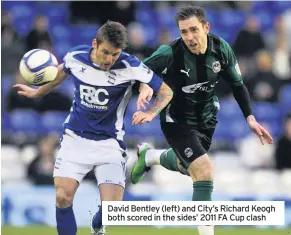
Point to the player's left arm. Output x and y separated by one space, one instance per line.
232 75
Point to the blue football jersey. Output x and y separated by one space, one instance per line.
101 97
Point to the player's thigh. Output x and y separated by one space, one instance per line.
188 145
111 180
184 141
71 159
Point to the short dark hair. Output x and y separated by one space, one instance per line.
189 11
114 33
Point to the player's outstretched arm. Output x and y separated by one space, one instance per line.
164 96
43 90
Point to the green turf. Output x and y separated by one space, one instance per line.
6 230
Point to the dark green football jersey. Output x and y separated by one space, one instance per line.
193 78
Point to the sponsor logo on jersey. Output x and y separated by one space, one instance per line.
186 72
194 87
90 97
188 152
203 86
216 66
237 69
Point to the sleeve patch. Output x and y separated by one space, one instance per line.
237 69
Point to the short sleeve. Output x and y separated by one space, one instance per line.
159 60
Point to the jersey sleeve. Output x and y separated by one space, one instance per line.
159 60
68 59
231 73
144 74
67 63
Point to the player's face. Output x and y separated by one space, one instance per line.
106 55
194 34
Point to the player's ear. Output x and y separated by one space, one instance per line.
207 27
94 43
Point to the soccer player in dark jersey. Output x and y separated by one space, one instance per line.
192 65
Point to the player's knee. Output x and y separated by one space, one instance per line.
201 169
63 198
206 174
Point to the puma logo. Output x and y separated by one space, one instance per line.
183 71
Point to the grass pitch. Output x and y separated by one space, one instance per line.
128 230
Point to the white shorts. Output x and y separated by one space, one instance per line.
77 156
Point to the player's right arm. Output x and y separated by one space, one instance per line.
45 89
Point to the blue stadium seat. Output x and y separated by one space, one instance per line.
285 100
52 121
6 83
285 97
88 32
56 12
232 20
174 31
24 10
231 130
146 16
274 128
61 48
229 109
23 26
281 6
152 33
264 111
212 16
23 14
23 120
166 17
266 20
259 5
60 32
5 122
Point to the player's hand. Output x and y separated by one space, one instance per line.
26 91
140 117
260 131
145 96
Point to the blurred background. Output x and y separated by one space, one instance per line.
259 33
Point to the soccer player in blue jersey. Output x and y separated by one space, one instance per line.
93 132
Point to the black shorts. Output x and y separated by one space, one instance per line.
189 143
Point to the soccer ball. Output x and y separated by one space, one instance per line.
38 67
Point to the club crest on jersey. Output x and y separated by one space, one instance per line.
188 152
216 66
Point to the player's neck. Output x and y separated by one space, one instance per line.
204 48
